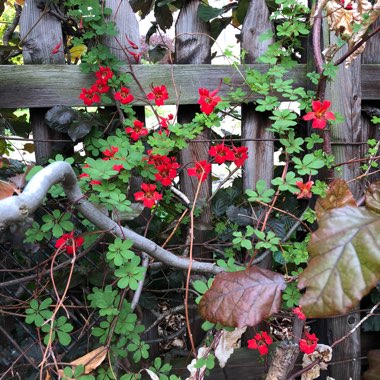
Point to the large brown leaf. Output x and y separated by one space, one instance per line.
372 197
242 298
345 261
338 195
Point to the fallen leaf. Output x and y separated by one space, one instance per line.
191 367
344 264
338 195
91 361
227 344
322 354
152 375
243 298
372 197
7 189
76 52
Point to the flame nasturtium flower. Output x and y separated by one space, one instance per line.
159 94
149 196
241 154
305 189
201 170
89 96
299 313
104 73
137 130
123 96
320 114
69 243
208 101
260 342
221 153
309 343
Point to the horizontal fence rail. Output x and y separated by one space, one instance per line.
30 86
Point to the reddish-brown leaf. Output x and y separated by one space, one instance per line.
372 197
6 189
338 195
242 298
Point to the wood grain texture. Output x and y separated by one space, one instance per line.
40 33
259 164
128 27
344 92
48 85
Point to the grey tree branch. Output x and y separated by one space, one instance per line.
17 208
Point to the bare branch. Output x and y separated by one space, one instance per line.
17 208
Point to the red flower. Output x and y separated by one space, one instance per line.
110 153
208 101
89 96
201 170
299 313
308 344
69 243
100 87
149 196
346 4
319 115
83 175
123 96
137 131
55 50
118 167
131 43
221 153
164 121
305 189
166 173
95 182
241 154
260 342
158 94
104 73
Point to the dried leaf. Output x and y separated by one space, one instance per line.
338 195
323 355
20 2
76 52
29 147
373 372
191 367
92 360
7 189
372 197
345 261
242 298
227 344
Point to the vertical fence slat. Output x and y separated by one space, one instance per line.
259 164
194 46
40 33
344 92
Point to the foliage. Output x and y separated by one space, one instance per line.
129 169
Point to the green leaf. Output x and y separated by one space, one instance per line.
345 261
206 13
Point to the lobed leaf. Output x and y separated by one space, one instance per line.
345 261
242 298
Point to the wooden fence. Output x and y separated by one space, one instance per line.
44 81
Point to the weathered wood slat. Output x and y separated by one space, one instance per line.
47 85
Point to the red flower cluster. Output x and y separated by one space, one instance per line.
305 189
92 95
149 196
260 342
159 94
208 101
69 243
309 343
299 313
166 167
320 114
201 170
137 130
222 154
